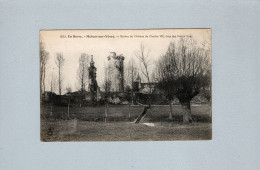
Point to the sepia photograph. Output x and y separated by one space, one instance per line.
125 85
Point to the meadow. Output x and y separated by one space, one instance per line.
90 124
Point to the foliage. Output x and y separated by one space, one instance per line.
184 70
60 62
83 71
44 56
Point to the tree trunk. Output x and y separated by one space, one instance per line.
106 112
43 80
129 112
51 109
171 113
51 104
143 114
186 112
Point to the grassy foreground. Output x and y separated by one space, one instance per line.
86 124
74 130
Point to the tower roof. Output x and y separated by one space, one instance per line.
138 77
92 61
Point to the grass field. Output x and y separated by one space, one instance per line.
87 124
200 113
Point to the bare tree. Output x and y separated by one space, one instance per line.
69 96
83 71
53 83
44 56
53 87
168 95
106 87
182 72
145 62
130 74
60 62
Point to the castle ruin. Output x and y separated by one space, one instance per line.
93 87
115 72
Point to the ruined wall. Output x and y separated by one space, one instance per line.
115 72
92 79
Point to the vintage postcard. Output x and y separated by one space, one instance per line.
125 85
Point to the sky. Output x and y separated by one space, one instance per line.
99 43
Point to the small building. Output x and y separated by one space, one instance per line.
47 96
137 84
145 88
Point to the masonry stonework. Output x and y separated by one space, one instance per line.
115 72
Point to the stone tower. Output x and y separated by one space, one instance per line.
92 79
115 72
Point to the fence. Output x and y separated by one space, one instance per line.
200 113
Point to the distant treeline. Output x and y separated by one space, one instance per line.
117 98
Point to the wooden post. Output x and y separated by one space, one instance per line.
51 103
51 109
69 109
171 113
106 112
129 113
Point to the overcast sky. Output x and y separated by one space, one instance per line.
118 41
